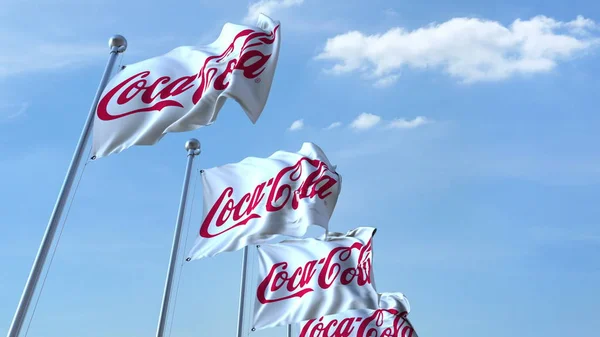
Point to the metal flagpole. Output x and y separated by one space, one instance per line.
117 44
242 292
193 149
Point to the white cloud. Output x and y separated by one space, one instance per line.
386 81
390 12
581 25
268 7
365 121
468 49
32 56
58 36
12 111
297 125
333 125
400 123
26 54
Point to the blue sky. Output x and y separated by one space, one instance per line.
486 205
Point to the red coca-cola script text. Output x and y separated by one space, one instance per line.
370 326
299 282
286 189
163 92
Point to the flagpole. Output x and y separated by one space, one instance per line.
117 44
193 149
242 292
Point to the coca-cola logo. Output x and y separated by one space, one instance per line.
163 92
285 189
297 283
381 323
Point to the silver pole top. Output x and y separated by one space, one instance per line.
119 42
193 144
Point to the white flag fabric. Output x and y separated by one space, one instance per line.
390 320
302 279
253 201
185 88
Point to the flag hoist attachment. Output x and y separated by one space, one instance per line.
117 45
193 149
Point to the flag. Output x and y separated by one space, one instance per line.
253 201
185 88
302 279
390 320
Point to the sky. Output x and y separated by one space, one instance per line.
464 131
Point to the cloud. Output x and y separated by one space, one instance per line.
581 25
386 81
27 54
365 121
333 125
390 12
33 56
468 49
400 123
46 42
297 125
12 111
268 7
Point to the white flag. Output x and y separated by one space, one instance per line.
255 200
390 320
302 279
185 88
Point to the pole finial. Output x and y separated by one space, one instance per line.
119 42
193 144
